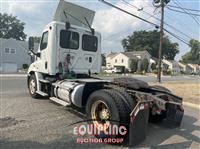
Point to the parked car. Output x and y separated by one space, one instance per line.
113 70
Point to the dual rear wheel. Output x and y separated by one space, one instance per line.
107 107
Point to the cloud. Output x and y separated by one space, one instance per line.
115 25
36 14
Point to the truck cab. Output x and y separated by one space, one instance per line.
64 50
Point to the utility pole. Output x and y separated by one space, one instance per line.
161 41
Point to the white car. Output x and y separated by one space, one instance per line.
113 70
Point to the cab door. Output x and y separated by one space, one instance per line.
43 50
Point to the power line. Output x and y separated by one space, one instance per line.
143 20
194 14
157 19
139 9
123 31
129 13
177 37
179 5
179 22
184 8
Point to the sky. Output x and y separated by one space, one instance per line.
111 23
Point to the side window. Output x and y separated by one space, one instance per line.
69 39
44 41
13 51
7 50
89 43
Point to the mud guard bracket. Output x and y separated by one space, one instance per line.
138 124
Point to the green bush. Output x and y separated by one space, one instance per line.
167 72
133 65
155 71
140 73
145 64
25 66
153 66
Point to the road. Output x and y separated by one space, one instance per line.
40 123
164 78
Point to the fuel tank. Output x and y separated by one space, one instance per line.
68 91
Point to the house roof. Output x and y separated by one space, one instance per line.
154 58
181 64
129 55
23 44
194 65
135 53
112 54
170 61
3 40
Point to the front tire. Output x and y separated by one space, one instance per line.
32 86
106 107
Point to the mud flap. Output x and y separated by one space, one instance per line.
138 127
174 115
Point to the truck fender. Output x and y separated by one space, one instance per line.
38 76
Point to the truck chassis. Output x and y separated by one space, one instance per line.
129 101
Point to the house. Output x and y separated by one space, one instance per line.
153 61
13 55
123 59
195 68
109 59
185 68
171 65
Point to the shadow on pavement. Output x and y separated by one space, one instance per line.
157 135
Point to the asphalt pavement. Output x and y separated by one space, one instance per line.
40 123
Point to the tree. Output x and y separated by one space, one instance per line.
11 27
145 65
192 56
133 65
149 40
153 66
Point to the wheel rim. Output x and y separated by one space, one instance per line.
32 86
101 113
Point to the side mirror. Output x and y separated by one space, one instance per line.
31 43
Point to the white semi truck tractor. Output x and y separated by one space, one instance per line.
69 53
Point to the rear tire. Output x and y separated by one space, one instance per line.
32 86
118 113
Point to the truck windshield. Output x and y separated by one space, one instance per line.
89 43
69 39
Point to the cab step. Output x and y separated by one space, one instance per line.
42 93
61 102
44 81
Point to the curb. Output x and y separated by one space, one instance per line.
192 105
13 75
